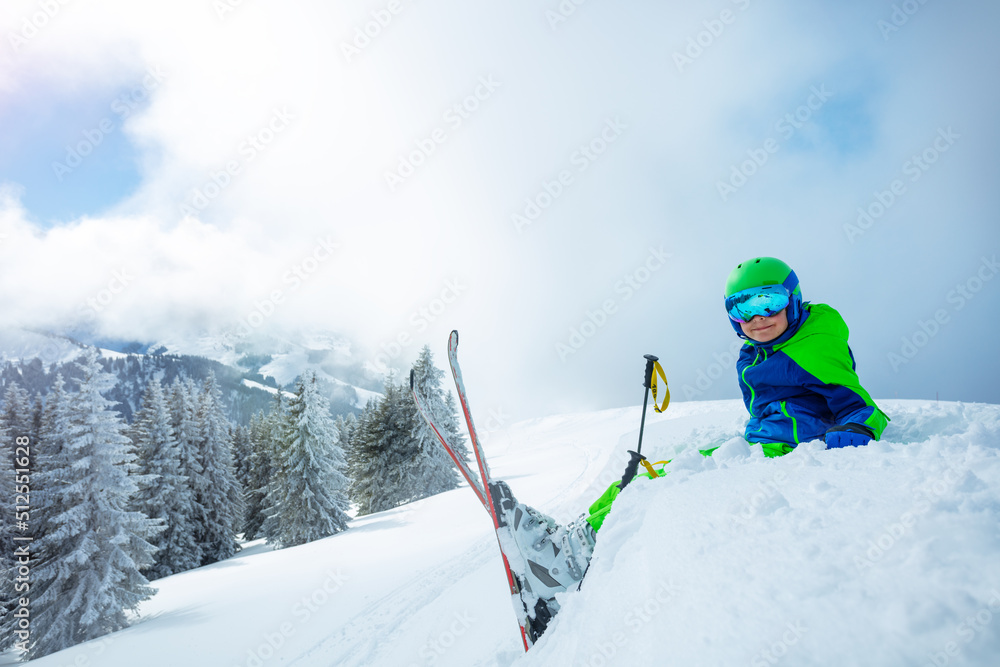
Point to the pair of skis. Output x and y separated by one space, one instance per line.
481 485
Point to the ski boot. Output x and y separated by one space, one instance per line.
553 558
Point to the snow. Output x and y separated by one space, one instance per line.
874 556
364 395
112 354
19 343
286 367
884 555
218 347
292 355
263 387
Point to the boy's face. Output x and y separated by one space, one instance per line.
765 329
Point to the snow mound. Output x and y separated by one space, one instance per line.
882 555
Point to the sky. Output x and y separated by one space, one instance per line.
568 183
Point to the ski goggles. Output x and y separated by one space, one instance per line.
765 301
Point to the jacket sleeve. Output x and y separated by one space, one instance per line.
829 360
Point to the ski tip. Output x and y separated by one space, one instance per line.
411 379
454 336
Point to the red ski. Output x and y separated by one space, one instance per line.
481 486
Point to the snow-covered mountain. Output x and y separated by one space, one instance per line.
244 364
284 358
883 555
24 344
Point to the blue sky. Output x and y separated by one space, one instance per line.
262 143
51 127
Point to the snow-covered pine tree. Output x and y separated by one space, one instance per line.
383 454
36 417
7 593
435 471
240 435
96 548
345 425
358 453
49 450
258 477
52 438
278 432
221 497
184 424
311 500
17 413
163 492
15 422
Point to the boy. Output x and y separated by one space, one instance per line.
796 373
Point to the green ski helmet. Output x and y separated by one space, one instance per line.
762 272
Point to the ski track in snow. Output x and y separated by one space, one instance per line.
685 568
369 632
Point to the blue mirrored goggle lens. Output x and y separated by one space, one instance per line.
746 305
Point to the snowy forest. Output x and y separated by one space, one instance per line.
95 507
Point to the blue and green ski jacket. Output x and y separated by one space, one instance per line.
798 386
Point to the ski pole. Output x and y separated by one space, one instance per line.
647 381
637 457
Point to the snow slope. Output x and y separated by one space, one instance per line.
19 343
885 555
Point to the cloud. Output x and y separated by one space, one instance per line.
412 140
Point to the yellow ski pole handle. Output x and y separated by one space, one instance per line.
654 385
653 369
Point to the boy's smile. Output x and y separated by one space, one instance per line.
764 329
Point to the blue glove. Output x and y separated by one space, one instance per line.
848 435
